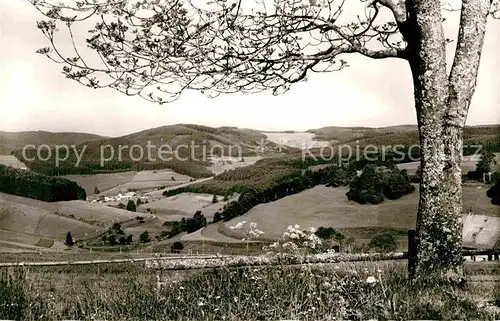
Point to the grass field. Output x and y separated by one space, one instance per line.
102 181
337 291
114 183
185 203
221 164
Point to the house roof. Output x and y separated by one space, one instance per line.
481 231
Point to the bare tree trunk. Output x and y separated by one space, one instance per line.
442 104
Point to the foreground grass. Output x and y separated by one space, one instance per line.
342 291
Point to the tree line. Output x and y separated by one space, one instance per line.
41 187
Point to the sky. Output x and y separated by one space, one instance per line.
35 95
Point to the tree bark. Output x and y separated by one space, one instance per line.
442 104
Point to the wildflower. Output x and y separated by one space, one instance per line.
371 280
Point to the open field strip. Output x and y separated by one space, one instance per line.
11 160
159 193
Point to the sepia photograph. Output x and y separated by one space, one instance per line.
247 160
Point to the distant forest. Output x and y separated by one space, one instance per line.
41 187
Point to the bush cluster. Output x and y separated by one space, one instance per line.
189 225
377 183
383 243
115 235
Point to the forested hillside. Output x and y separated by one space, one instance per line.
41 187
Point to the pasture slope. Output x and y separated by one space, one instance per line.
29 222
329 207
468 164
24 225
185 205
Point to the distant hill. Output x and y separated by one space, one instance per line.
10 141
190 142
402 134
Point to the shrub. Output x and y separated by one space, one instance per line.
96 190
177 247
139 202
122 240
117 228
129 239
494 192
112 239
214 199
374 198
131 206
198 221
144 237
325 233
69 239
383 242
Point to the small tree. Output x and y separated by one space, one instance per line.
96 190
214 199
112 239
226 198
69 239
487 158
129 239
116 227
177 247
494 192
139 202
122 240
131 206
144 237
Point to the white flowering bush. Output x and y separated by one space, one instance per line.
294 239
249 229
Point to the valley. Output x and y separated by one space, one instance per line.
30 225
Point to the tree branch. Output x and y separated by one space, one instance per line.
463 75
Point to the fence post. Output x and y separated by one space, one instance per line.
412 253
